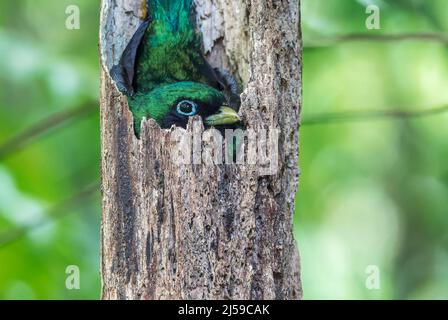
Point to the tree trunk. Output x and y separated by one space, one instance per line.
202 231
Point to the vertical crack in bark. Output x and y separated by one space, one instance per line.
172 248
125 204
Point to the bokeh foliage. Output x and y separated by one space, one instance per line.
371 192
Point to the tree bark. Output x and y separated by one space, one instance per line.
201 231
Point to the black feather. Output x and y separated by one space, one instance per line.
123 73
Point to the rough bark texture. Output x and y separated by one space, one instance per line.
204 231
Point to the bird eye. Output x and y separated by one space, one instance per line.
187 108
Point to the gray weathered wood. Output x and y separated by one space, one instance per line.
204 231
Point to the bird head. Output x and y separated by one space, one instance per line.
174 104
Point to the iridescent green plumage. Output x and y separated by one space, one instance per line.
163 67
170 50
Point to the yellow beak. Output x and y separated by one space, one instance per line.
226 115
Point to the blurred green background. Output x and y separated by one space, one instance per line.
372 192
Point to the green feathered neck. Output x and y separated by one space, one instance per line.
171 49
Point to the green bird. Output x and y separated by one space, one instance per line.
166 77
